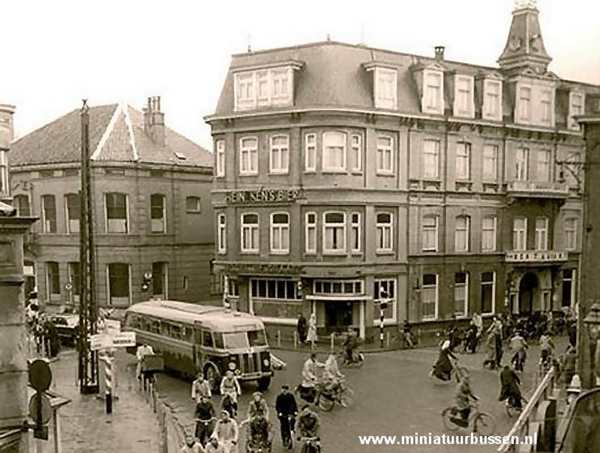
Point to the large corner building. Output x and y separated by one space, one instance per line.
151 207
347 175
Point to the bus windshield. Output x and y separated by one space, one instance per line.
257 338
235 340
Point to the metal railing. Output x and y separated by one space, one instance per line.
522 426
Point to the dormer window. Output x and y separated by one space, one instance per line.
386 88
265 87
492 100
524 104
546 106
576 103
463 96
433 88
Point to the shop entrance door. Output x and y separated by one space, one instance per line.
338 316
528 291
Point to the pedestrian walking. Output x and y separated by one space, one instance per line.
490 345
312 330
302 328
141 352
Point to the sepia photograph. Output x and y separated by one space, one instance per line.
313 227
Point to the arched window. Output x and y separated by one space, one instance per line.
384 232
334 232
249 236
280 233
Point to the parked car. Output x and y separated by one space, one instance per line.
67 327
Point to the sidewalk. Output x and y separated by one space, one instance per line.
85 427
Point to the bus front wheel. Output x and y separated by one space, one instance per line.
263 383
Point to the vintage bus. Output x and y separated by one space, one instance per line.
201 338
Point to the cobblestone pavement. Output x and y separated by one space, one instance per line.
85 427
394 395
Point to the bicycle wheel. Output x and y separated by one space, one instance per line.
484 424
511 410
447 414
346 398
326 403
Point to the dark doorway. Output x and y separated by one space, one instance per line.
338 316
527 291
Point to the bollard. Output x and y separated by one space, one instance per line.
387 339
278 338
108 380
332 341
295 340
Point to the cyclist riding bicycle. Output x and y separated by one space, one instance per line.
231 387
308 422
518 345
546 348
259 432
204 415
258 406
509 388
350 344
463 398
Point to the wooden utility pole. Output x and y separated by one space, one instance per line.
88 359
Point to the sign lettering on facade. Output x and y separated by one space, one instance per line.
264 195
535 256
264 268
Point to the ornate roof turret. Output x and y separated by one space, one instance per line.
525 46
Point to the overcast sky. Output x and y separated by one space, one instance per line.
54 53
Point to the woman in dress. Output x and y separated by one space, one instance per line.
312 330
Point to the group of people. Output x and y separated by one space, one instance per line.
496 336
307 329
221 434
41 329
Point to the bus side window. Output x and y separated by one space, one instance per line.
219 344
207 339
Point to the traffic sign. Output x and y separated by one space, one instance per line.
100 341
40 375
35 402
123 340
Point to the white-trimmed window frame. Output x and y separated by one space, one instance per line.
382 151
492 102
546 165
337 251
108 288
486 173
385 283
436 300
254 79
519 234
541 233
524 109
356 153
467 232
546 106
386 88
437 109
493 231
355 232
278 230
163 220
249 228
68 227
45 228
324 152
4 180
310 152
221 233
434 154
571 234
425 229
127 222
310 229
49 294
483 283
252 153
522 166
460 110
572 123
281 167
465 311
463 155
220 159
384 230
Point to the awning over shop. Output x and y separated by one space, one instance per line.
338 298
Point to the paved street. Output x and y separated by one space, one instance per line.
394 395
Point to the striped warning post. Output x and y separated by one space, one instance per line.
108 379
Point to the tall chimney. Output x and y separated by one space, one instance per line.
439 53
6 137
154 121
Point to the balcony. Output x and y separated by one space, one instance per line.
536 256
537 189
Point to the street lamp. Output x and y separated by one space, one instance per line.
592 321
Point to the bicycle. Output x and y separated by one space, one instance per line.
310 444
480 422
343 396
358 360
511 409
287 424
204 429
